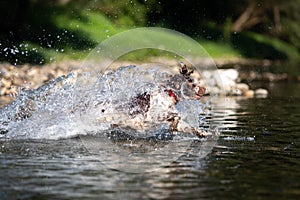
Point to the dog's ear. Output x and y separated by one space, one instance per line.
185 72
183 68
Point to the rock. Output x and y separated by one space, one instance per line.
18 81
222 81
38 77
210 82
282 77
268 76
3 73
252 76
228 84
11 91
33 72
217 77
60 72
212 90
232 74
203 83
261 93
242 86
206 74
6 83
249 93
2 91
236 92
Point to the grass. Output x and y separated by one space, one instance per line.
95 27
219 49
281 46
58 34
98 28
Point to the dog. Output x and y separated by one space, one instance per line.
141 112
159 106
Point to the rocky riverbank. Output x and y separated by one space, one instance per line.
12 77
225 82
234 80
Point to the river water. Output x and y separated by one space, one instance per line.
256 156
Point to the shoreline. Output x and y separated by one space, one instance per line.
32 76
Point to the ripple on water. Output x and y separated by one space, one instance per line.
266 167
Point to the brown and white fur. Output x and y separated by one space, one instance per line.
159 106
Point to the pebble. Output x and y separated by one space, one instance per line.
6 83
242 86
268 76
18 81
223 82
237 92
13 77
232 74
261 93
206 74
212 90
2 91
210 82
249 93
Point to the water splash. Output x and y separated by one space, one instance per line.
66 107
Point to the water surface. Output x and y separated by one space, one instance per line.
257 156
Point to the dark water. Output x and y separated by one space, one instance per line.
257 156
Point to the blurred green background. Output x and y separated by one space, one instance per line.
43 31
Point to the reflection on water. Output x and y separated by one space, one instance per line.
256 157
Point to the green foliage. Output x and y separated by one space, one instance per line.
219 49
121 12
290 22
227 29
259 46
51 32
47 30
